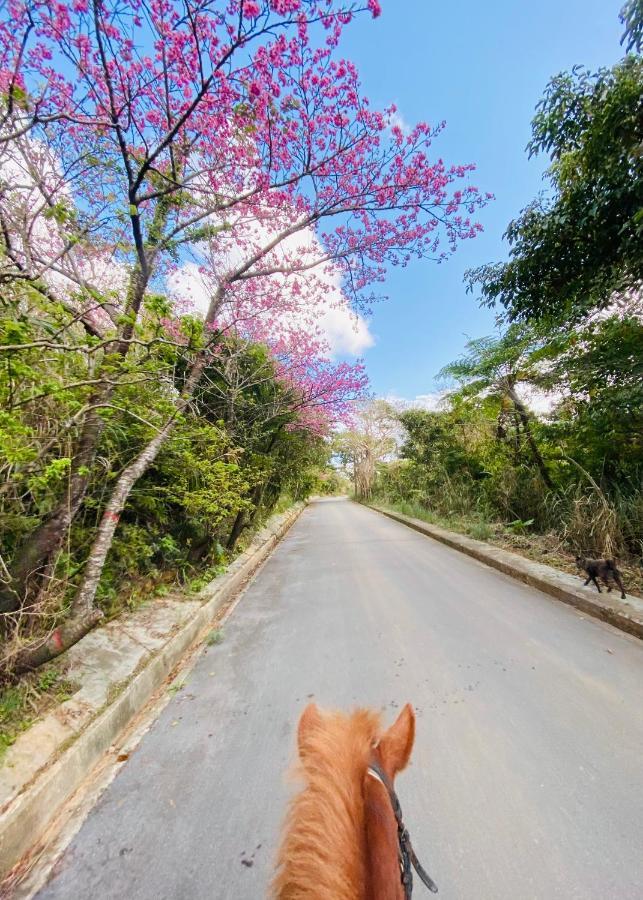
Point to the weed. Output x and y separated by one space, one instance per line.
115 690
481 531
518 526
24 703
215 637
593 532
203 580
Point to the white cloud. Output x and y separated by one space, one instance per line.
431 401
32 183
344 331
539 402
629 303
347 332
312 301
397 120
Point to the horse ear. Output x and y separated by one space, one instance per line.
396 744
310 721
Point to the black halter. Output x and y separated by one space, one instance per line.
407 857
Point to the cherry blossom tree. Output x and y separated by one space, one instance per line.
153 133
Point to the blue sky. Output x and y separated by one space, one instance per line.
481 66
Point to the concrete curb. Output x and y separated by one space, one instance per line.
25 818
627 615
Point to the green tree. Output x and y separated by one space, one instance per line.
598 372
438 440
631 16
495 367
572 251
372 438
231 455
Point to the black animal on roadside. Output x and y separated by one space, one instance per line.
603 569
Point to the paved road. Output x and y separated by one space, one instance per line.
527 774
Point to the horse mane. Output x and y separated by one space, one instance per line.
324 849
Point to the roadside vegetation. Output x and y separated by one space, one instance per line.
537 444
25 702
234 457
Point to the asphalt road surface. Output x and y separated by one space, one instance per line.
527 775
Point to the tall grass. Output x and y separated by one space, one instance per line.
583 517
595 524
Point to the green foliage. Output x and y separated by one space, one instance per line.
197 478
44 485
204 577
486 458
442 443
21 704
631 16
574 254
330 483
481 531
599 424
571 252
232 457
519 525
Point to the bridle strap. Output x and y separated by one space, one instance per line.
407 856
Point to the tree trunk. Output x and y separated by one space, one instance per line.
258 501
83 614
244 520
68 634
35 560
84 599
524 416
237 530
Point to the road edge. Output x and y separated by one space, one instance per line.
27 817
624 615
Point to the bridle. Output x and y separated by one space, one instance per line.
407 858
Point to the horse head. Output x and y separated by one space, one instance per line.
344 836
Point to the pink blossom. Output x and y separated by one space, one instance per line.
207 120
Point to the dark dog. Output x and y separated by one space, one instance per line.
603 569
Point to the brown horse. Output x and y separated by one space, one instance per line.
344 837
